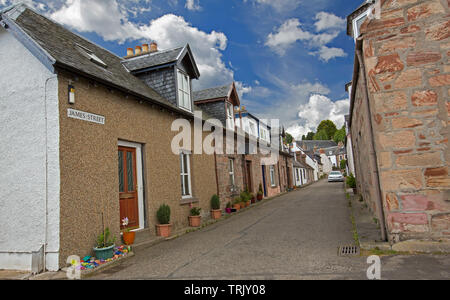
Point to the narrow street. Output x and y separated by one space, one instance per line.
295 236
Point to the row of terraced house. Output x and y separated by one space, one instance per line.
86 140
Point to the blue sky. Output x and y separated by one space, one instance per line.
290 58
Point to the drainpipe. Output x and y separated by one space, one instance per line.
372 154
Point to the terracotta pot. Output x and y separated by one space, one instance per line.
163 230
237 207
259 197
216 214
243 205
195 221
253 200
248 203
128 237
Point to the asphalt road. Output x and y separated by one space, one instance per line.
295 236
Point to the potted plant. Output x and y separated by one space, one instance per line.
128 236
216 212
164 227
253 200
351 182
228 209
195 220
246 198
105 245
237 203
260 194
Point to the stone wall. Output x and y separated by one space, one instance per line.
406 55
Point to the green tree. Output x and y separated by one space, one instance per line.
321 135
329 127
288 138
310 136
340 135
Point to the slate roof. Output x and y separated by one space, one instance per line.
212 93
152 59
309 145
59 47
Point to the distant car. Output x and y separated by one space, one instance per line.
335 176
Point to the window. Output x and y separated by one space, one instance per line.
272 176
264 134
252 128
185 175
184 91
231 171
230 116
357 22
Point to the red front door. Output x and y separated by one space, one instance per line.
128 195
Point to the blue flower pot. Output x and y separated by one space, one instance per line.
104 253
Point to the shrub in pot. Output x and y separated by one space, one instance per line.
127 235
195 220
260 194
216 212
253 200
105 245
228 209
164 227
237 203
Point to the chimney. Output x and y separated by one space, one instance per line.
145 48
137 50
153 47
130 52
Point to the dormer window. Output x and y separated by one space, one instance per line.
357 22
230 115
184 91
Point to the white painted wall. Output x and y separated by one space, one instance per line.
326 164
29 147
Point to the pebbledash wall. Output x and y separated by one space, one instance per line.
29 147
89 169
406 56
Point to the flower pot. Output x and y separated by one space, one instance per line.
128 237
242 205
104 253
216 214
228 210
248 203
259 197
233 210
253 200
237 207
195 221
163 230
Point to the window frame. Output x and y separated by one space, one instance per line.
356 32
183 155
272 176
180 90
231 171
230 117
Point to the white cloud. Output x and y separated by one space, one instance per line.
291 31
326 53
326 21
109 19
279 5
193 5
319 108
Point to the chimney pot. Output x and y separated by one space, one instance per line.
153 47
138 50
145 48
130 52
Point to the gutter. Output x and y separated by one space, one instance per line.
360 69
